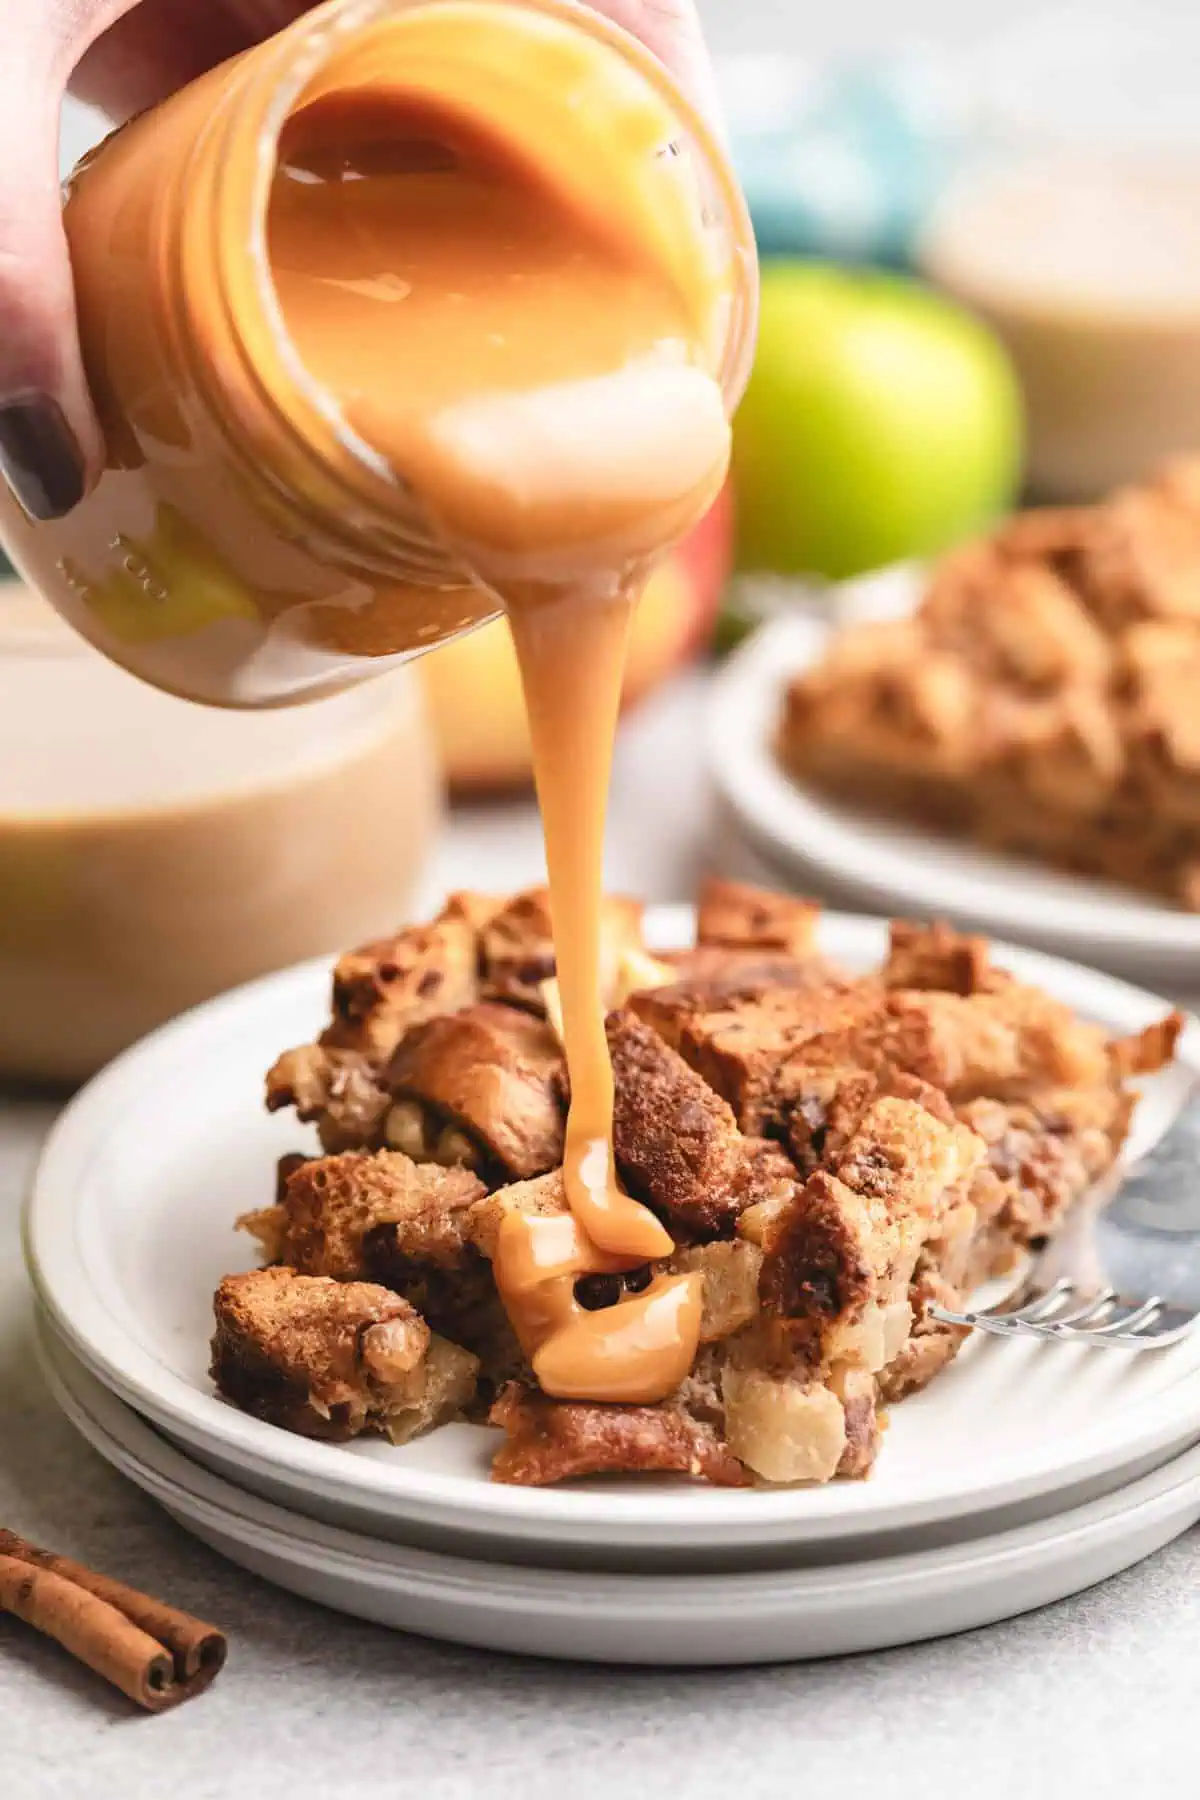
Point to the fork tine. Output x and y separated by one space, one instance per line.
1095 1308
1039 1307
1152 1323
1130 1323
1004 1324
992 1319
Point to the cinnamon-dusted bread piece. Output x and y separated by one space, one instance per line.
380 990
1139 557
732 915
817 1117
384 988
1005 1043
331 1203
332 1359
711 975
379 1217
677 1144
516 947
336 1089
739 1044
839 1256
937 956
493 1073
562 1440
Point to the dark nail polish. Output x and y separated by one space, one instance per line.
39 456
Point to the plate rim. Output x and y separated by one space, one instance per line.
451 1501
170 1469
813 834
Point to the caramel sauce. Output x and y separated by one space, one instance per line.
637 1350
535 367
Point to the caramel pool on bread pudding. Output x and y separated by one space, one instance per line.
827 1153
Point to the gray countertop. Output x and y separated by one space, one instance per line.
1093 1696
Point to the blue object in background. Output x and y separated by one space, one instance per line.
841 162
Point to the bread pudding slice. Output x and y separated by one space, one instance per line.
830 1153
1040 699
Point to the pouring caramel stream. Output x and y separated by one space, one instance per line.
535 367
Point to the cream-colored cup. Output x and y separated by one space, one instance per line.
1087 264
153 853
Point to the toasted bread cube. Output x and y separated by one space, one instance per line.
496 1075
735 916
517 947
676 1142
329 1359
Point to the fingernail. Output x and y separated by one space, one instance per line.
39 456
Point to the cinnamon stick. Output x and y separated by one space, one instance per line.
153 1652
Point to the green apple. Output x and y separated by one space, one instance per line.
881 422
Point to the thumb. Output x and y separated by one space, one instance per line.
48 433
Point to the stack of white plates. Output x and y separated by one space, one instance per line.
1023 1474
776 829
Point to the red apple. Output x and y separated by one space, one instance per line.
473 688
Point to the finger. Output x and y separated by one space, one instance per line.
126 57
48 433
161 45
671 29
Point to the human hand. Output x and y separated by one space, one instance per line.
125 55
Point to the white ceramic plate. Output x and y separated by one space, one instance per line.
130 1226
776 1615
895 867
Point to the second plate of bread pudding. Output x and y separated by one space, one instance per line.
953 739
837 1126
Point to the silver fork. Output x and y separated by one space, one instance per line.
1125 1269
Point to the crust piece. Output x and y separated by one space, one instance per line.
330 1205
556 1440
